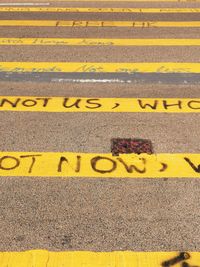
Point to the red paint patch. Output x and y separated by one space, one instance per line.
128 146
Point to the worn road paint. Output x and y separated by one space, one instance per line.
80 104
99 42
24 4
86 80
92 77
42 258
164 1
95 23
69 164
86 67
99 10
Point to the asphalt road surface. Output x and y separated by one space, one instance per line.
99 213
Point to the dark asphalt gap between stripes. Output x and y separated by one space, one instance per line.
101 16
161 78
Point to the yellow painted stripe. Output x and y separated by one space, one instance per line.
68 164
53 1
131 1
99 42
99 10
86 67
39 258
81 104
77 23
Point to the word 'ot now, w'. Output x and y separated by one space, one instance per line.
67 164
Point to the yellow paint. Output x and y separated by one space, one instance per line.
42 258
86 67
187 1
131 1
81 104
99 10
53 1
68 164
78 23
99 42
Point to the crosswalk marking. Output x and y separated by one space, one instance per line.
99 42
43 258
69 164
95 23
94 165
24 4
99 10
150 1
81 104
93 67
